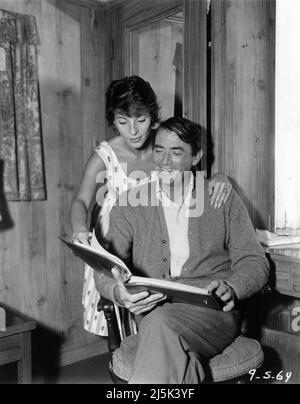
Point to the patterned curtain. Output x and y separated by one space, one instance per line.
20 128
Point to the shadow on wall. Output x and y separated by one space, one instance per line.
257 220
5 219
255 216
46 348
210 151
68 8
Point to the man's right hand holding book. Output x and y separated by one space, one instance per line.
136 303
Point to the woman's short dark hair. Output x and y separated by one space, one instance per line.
188 131
132 96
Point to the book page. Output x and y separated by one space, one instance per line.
168 285
100 260
104 253
177 292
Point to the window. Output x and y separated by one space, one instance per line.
287 118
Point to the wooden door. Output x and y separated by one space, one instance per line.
165 42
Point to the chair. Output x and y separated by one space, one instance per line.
232 365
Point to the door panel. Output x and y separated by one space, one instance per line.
159 61
165 42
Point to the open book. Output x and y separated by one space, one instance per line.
103 261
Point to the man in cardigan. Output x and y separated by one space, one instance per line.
175 234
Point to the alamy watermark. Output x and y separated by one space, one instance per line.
139 190
295 324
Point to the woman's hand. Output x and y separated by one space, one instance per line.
136 303
83 237
219 189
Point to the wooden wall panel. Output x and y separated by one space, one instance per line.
113 51
94 72
117 45
243 61
38 276
195 67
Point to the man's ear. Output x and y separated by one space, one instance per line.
197 158
155 125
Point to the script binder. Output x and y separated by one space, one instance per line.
102 261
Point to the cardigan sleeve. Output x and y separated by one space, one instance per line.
118 241
249 263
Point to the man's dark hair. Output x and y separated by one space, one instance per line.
188 131
131 96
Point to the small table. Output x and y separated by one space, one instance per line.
281 333
286 259
15 344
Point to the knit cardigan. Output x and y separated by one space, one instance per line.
222 242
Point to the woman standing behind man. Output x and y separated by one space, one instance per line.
132 109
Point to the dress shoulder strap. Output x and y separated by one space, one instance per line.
107 154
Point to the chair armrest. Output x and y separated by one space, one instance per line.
105 305
253 312
114 338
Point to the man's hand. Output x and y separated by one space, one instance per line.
224 292
136 303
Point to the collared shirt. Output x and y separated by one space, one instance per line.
177 220
222 242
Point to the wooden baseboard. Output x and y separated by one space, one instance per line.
76 354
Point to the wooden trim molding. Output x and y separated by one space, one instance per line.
96 5
138 15
195 67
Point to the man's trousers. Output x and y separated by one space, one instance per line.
173 344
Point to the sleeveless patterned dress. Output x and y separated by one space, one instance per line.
117 182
